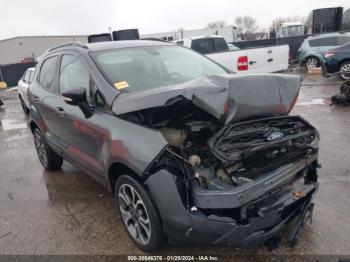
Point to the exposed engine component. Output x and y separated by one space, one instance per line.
175 137
218 156
223 176
194 161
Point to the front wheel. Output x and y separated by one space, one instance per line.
345 67
139 216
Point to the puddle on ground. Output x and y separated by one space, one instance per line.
10 124
318 101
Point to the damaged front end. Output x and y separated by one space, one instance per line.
230 182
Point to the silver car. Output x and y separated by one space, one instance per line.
23 85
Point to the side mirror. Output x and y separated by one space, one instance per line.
77 97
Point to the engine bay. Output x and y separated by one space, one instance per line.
215 155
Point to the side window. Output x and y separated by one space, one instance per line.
220 45
327 41
73 74
180 42
32 73
47 72
25 77
203 46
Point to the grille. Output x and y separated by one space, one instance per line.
246 147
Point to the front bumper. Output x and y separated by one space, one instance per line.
182 225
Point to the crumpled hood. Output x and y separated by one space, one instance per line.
227 97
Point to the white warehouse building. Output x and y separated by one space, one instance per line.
14 50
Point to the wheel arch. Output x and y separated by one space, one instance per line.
312 55
117 169
347 59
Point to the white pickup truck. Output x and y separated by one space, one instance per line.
253 60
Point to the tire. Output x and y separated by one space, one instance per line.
24 107
344 67
133 204
312 62
48 159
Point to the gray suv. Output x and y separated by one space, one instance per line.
191 153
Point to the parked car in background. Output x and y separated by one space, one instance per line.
191 152
338 60
253 60
311 52
23 85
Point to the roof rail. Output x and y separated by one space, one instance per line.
76 44
155 39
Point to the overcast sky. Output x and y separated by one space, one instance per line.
66 17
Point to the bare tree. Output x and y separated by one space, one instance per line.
245 25
216 24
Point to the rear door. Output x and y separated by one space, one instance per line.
44 98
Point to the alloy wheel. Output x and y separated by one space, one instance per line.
40 149
311 63
134 214
345 68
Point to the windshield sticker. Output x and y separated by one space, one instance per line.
121 85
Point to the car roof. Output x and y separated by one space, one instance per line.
199 37
205 36
329 35
101 46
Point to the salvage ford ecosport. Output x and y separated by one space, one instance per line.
191 152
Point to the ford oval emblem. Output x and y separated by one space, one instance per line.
275 136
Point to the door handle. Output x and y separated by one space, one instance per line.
270 60
252 62
60 111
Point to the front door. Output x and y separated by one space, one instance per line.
82 136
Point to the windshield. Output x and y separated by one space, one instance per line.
142 68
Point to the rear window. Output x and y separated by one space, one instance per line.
203 46
220 45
